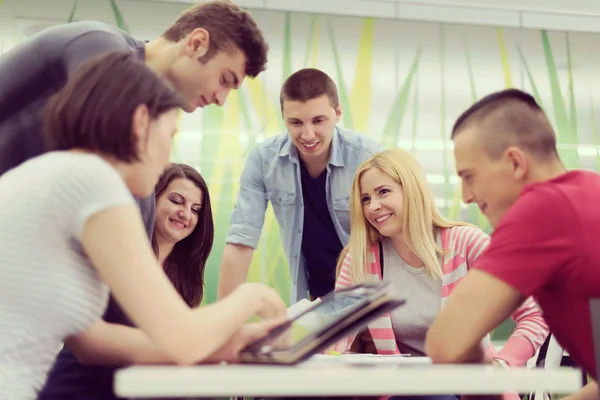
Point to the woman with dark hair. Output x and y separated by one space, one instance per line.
70 233
182 239
183 229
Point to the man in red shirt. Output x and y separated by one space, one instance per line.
546 241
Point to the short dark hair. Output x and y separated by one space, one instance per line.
510 117
227 25
186 264
307 84
94 109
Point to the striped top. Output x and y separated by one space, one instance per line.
49 290
462 244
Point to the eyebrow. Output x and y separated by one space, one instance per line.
375 189
462 172
183 197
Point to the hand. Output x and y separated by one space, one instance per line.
270 303
247 334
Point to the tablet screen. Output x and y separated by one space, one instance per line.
316 319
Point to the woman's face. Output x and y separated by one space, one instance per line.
382 201
177 210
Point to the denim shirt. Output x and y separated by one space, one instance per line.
272 173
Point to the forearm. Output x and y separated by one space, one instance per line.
115 345
588 392
234 268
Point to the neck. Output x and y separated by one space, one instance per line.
546 171
164 250
160 54
316 165
405 252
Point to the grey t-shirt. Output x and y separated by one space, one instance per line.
36 69
423 294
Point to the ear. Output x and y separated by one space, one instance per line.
140 127
197 43
338 113
518 161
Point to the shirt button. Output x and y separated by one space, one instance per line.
299 230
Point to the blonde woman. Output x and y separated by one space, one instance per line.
398 235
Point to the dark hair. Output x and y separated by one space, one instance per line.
227 25
187 261
510 117
94 110
307 84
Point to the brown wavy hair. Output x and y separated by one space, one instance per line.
186 264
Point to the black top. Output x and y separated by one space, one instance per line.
31 72
321 245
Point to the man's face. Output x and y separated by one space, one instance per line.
494 185
203 83
311 125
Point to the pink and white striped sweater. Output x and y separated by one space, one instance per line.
463 244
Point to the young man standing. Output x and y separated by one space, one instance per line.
205 54
306 174
545 242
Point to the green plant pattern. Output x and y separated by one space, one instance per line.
253 111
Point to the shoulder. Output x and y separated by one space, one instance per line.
534 204
358 142
81 30
464 239
85 171
464 232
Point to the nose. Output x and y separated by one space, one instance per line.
467 194
308 134
374 205
184 213
221 96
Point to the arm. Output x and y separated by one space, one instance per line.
468 315
531 329
342 281
588 392
246 225
526 252
115 345
528 336
116 243
235 264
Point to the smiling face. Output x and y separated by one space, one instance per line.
494 185
311 125
382 200
177 210
203 78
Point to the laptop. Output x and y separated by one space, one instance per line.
336 316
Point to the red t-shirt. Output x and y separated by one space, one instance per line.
548 245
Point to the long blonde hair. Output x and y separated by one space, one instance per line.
420 217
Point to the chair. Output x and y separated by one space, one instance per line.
595 316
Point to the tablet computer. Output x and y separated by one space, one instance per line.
336 316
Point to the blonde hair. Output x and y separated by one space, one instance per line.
420 217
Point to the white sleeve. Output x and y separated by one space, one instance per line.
92 185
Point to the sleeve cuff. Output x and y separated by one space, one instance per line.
246 236
517 351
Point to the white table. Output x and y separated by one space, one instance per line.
407 376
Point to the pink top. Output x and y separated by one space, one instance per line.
463 245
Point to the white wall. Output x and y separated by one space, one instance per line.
570 15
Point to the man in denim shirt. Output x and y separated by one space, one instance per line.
306 174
